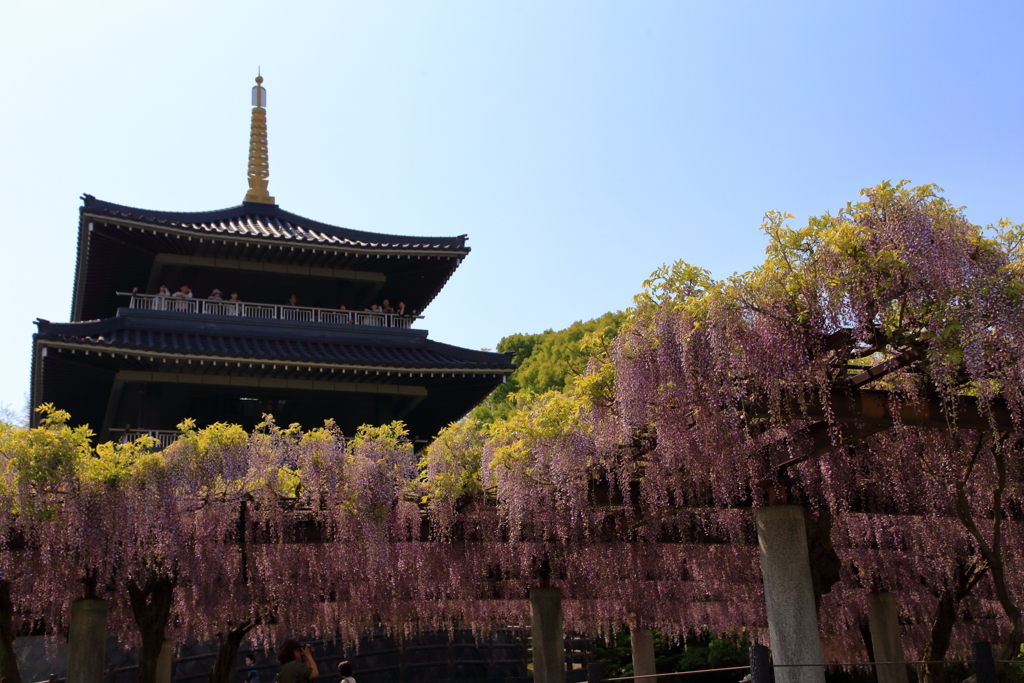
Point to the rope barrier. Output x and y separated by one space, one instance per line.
825 664
678 673
944 661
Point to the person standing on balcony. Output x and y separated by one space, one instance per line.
181 295
293 300
161 304
232 309
401 308
216 294
385 307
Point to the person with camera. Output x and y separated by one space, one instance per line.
297 665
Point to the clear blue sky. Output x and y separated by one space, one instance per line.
579 144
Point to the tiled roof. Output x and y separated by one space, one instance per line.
417 352
269 221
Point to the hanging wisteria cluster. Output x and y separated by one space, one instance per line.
871 370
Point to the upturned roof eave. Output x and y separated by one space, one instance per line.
103 347
345 345
313 234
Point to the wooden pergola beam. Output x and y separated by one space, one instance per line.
886 409
884 368
826 438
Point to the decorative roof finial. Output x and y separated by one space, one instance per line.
259 158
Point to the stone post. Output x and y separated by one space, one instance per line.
642 642
548 639
789 594
886 640
164 663
87 640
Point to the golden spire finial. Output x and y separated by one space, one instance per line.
259 159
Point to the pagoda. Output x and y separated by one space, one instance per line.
225 315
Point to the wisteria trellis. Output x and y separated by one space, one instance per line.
632 492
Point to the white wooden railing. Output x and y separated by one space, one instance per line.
165 436
242 309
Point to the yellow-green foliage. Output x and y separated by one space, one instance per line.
391 435
48 455
547 361
201 456
42 464
115 463
839 255
564 373
678 284
450 467
522 438
371 442
597 385
44 467
319 443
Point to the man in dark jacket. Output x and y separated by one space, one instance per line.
251 675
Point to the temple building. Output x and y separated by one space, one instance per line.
225 315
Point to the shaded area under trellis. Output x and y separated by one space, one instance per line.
502 657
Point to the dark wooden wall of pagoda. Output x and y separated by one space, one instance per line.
119 258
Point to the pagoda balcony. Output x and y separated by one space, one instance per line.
242 309
165 437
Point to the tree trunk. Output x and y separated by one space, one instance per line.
228 652
1011 646
938 642
151 607
946 612
865 634
8 661
993 552
825 562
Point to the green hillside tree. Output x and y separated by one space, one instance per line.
549 361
